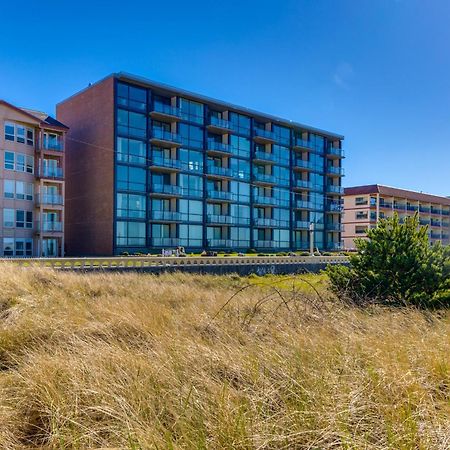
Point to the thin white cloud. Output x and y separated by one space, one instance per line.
343 75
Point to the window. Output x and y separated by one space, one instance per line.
8 188
20 162
360 230
191 135
130 234
9 161
191 159
8 247
191 210
359 215
131 178
8 218
19 133
52 141
282 134
131 97
131 151
360 201
131 124
131 205
191 185
240 145
9 131
191 235
191 111
240 123
24 219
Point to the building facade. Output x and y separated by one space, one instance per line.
365 205
152 167
31 183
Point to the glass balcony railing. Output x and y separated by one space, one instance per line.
303 184
412 208
220 219
219 123
334 227
266 222
335 189
334 170
220 195
334 246
169 216
262 200
167 110
435 211
301 224
304 164
166 241
435 223
445 213
169 189
264 134
52 144
335 207
49 199
424 209
301 245
265 156
424 222
218 146
167 136
220 171
303 204
50 172
333 151
399 207
267 244
219 243
158 161
264 178
386 205
49 226
302 143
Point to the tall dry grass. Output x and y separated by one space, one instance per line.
137 361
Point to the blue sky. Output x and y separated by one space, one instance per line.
377 71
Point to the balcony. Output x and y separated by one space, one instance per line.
424 209
303 204
435 211
50 172
218 148
220 195
435 235
334 227
266 157
303 184
220 243
262 200
166 216
301 224
47 226
267 244
445 213
219 125
301 245
166 242
335 207
412 208
166 189
165 112
49 199
335 189
264 178
165 138
54 145
303 164
220 219
435 223
333 152
399 207
334 246
302 144
335 170
263 136
266 222
170 164
219 171
424 222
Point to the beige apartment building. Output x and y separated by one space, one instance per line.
31 183
365 205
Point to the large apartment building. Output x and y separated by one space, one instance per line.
31 183
153 167
365 205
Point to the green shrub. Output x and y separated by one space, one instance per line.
396 264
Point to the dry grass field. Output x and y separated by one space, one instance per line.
176 362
